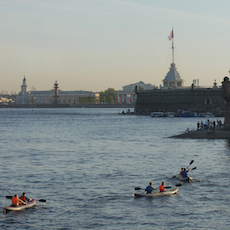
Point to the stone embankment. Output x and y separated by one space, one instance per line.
81 105
219 133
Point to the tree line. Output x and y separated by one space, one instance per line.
107 96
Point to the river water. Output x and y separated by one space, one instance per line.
87 162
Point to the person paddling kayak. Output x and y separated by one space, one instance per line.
161 187
24 198
149 188
15 201
184 173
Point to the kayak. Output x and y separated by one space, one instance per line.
188 178
20 207
166 193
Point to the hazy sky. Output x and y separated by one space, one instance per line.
96 44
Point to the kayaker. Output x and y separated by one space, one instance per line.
161 187
149 188
24 198
184 173
182 169
15 201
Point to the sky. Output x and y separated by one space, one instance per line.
94 45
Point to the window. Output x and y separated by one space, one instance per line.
208 101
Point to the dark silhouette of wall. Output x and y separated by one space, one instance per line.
198 99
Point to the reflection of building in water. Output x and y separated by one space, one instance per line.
52 96
128 95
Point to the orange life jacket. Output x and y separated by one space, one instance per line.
15 201
162 189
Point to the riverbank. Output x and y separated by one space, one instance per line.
86 105
219 133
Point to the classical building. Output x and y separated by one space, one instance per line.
128 95
5 101
53 97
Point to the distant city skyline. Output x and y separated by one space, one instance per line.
94 45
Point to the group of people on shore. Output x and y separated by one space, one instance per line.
208 125
16 201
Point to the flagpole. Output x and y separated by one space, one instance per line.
170 37
172 48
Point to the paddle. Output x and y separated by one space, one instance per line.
138 188
190 163
41 200
9 191
190 169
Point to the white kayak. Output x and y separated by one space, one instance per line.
20 207
188 178
166 193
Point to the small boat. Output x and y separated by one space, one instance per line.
188 178
191 115
20 207
157 114
127 112
169 114
166 193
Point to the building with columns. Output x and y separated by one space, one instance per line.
127 95
52 96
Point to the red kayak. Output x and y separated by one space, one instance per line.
20 207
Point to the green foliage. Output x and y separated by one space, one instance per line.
108 96
86 99
103 99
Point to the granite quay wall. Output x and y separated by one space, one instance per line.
68 106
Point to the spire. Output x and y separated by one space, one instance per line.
24 86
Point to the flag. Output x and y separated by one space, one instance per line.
120 99
128 97
171 35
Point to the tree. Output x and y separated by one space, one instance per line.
87 99
108 96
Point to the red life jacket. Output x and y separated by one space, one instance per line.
162 189
23 198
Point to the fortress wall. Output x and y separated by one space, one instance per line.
202 100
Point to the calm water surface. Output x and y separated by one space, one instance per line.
86 163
